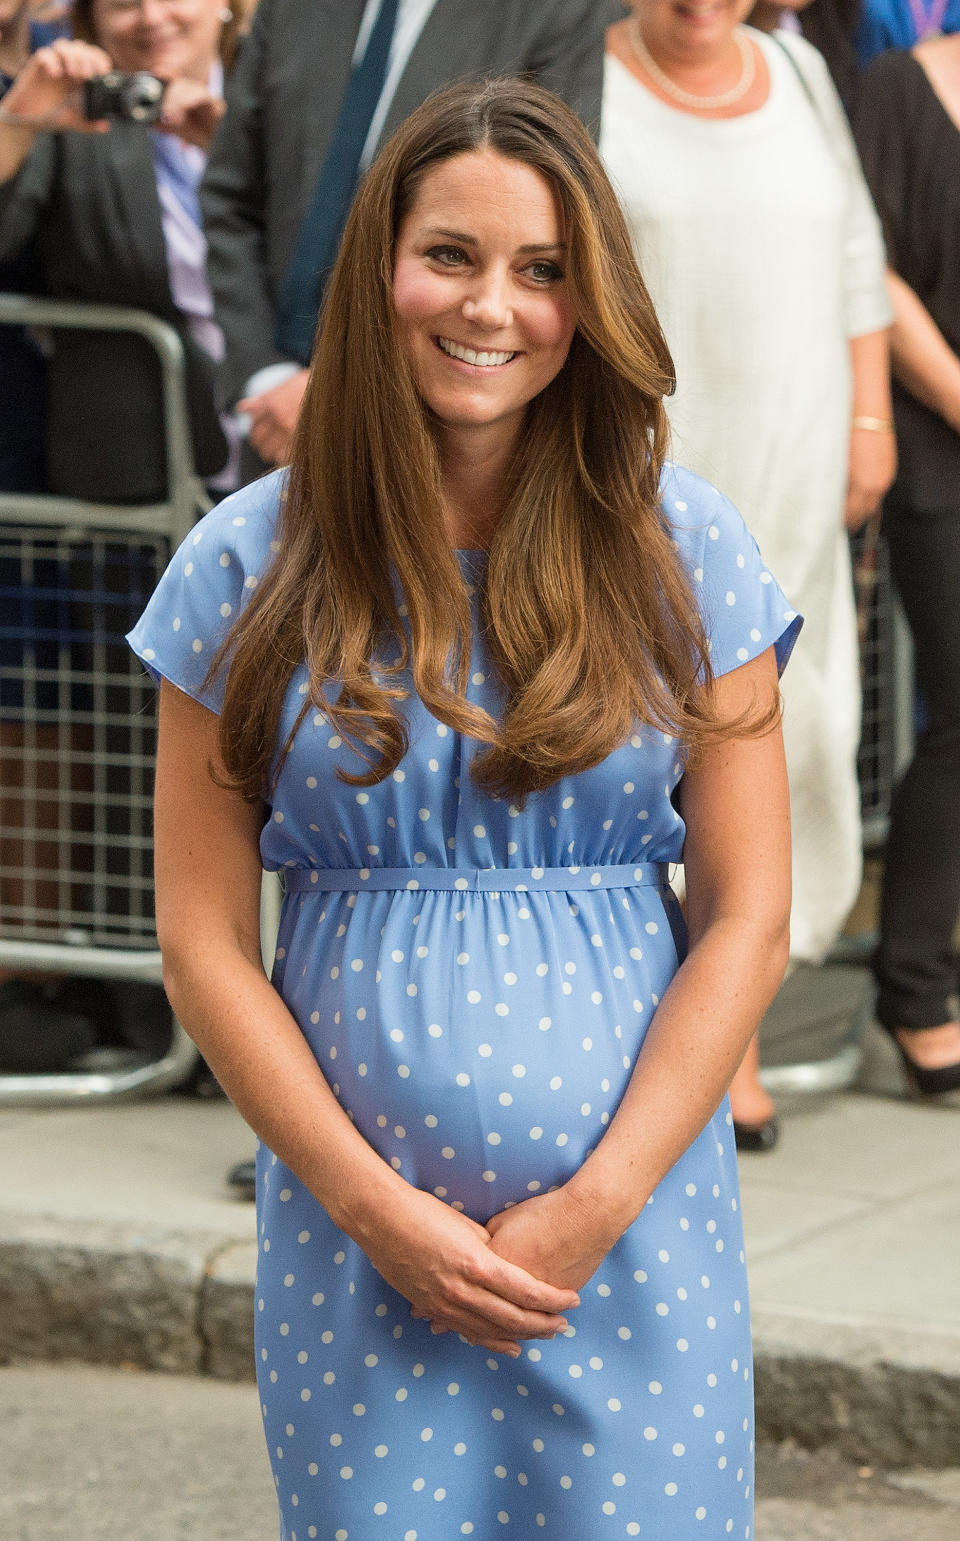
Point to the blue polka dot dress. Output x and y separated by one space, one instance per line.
475 981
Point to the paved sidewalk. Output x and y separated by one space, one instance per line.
119 1244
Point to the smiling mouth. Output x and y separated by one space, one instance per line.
482 359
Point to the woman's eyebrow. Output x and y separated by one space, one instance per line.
471 240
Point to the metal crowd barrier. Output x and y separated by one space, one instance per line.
77 728
78 746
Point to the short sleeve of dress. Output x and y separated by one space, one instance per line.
744 609
205 587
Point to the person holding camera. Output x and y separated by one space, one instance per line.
103 141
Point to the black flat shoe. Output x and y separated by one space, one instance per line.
925 1082
242 1178
757 1137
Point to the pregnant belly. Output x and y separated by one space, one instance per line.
482 1058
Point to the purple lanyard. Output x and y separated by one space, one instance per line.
928 19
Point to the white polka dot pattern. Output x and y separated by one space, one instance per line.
481 1037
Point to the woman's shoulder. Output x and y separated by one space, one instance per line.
693 507
208 582
895 67
244 524
800 57
741 604
896 102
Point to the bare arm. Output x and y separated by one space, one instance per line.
208 886
923 360
737 863
873 453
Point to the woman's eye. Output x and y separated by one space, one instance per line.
545 272
448 256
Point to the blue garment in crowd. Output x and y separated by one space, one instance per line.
891 24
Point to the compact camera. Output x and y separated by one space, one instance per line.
136 98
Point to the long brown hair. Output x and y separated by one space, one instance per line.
586 607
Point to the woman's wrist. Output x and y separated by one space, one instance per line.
605 1209
866 423
369 1197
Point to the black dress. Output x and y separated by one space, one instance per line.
910 148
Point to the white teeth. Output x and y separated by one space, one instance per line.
470 356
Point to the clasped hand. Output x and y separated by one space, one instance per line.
512 1279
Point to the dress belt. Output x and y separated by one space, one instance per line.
475 879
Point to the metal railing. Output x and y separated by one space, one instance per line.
77 725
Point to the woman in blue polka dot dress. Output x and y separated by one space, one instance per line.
471 676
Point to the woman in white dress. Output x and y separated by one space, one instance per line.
760 247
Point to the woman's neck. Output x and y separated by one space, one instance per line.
709 71
474 470
15 44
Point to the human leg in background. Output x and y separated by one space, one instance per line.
917 965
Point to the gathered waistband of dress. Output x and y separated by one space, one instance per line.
475 879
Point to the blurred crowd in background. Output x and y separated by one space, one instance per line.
797 230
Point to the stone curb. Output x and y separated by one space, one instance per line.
184 1303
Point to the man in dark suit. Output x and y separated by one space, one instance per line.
285 108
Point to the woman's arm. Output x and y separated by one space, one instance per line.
923 360
208 891
737 864
872 462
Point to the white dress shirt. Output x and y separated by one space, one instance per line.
411 19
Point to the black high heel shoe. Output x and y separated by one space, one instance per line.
925 1082
756 1137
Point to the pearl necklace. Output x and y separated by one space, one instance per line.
689 98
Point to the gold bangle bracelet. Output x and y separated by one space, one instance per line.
873 424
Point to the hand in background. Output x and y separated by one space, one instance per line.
273 418
191 112
871 469
49 88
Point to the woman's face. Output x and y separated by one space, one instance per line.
479 290
689 28
170 38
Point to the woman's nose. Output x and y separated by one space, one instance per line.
152 13
488 302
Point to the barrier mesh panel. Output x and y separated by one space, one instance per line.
77 731
76 737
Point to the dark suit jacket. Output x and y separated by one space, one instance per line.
92 203
284 99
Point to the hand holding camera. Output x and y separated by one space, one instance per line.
50 90
73 86
190 111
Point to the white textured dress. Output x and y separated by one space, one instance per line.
763 255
